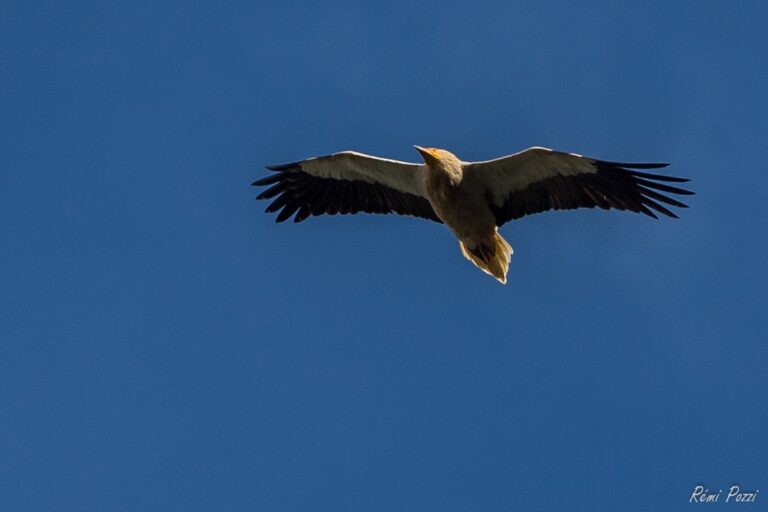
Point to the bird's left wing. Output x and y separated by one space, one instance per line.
346 182
540 179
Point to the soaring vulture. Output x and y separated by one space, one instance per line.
472 198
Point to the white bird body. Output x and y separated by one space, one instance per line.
459 204
471 198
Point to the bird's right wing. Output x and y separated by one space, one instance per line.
346 182
540 179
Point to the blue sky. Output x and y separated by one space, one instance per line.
166 346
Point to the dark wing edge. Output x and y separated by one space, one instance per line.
616 185
298 192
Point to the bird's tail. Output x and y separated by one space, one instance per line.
491 256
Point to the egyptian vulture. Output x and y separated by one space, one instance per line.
472 198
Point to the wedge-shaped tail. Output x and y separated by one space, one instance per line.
492 256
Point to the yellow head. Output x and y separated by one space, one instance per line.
434 156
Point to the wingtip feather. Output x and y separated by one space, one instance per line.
634 165
266 180
283 167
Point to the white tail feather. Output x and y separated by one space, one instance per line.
496 263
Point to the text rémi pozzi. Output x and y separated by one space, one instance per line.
735 495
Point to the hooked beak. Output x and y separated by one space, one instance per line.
426 154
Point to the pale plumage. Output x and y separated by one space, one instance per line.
472 198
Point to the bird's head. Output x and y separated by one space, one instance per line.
434 156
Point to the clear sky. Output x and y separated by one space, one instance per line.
165 346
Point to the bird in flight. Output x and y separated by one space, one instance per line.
472 198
